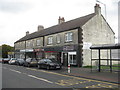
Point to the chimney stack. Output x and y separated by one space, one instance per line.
27 33
61 20
40 27
98 9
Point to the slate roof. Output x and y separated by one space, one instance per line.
75 23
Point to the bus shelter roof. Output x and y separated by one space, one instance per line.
106 46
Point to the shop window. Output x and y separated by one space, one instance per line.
50 40
68 37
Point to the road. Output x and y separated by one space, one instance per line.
23 77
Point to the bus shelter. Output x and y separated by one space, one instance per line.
104 54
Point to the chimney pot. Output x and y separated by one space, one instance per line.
97 9
40 27
27 33
61 20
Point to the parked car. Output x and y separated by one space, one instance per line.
20 62
49 64
5 60
30 62
13 61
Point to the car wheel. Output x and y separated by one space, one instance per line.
39 66
18 64
23 65
28 65
48 67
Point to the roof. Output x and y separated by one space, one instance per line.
106 46
72 24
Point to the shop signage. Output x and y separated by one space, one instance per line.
66 48
87 45
27 50
37 50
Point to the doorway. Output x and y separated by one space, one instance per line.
72 58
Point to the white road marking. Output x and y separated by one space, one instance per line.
15 71
40 78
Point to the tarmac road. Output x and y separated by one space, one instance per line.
23 77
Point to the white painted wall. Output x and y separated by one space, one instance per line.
95 31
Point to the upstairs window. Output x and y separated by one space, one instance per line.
38 42
68 37
50 40
58 38
28 44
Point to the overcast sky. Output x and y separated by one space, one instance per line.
19 16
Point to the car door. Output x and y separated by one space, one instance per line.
41 63
44 63
28 61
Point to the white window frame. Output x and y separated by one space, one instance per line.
38 42
50 40
58 39
28 44
69 37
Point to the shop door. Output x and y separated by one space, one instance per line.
72 58
64 59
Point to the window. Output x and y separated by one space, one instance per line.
50 40
38 42
69 37
58 38
27 44
33 43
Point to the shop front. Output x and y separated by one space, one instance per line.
39 53
27 53
53 52
69 54
64 54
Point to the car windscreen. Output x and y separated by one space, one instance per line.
6 59
47 60
20 59
52 60
34 59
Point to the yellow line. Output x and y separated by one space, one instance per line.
71 76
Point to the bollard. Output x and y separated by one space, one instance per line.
68 68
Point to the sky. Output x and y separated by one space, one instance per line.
19 16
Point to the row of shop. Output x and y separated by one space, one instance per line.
64 54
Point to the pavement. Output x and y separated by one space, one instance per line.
92 74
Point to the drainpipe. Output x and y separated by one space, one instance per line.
25 49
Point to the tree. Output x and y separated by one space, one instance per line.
6 49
